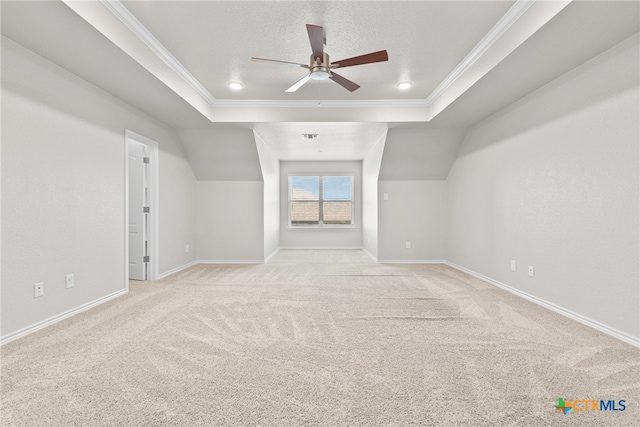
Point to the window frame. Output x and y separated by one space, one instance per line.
320 201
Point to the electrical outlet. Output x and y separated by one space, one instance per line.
514 265
407 245
38 289
187 249
385 196
531 270
69 280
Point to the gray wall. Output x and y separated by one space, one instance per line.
63 190
237 214
177 209
321 237
230 221
414 212
552 181
270 166
416 161
370 173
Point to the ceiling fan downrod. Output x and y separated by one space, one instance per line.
320 70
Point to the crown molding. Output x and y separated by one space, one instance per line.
513 14
141 32
362 103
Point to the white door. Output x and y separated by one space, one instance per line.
137 223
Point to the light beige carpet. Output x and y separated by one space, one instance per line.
316 338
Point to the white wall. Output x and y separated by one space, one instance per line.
270 166
230 221
63 190
321 237
552 181
414 212
370 173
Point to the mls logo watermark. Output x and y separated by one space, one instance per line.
589 405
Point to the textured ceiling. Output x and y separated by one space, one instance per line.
336 141
214 40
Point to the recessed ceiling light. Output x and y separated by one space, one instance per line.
404 85
235 85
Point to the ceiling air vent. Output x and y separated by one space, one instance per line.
310 135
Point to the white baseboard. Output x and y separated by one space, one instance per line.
411 261
230 261
55 319
370 255
176 270
622 336
333 248
268 258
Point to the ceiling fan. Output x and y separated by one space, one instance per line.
320 68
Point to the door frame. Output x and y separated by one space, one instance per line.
152 219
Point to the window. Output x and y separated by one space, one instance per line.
321 201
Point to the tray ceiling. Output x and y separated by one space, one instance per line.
174 59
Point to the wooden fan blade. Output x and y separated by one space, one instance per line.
369 58
316 37
293 64
345 83
299 83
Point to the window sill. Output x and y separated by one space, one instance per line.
321 227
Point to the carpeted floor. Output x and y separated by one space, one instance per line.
316 338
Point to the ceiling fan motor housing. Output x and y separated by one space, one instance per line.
319 70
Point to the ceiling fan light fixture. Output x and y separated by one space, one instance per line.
321 74
235 85
404 85
320 66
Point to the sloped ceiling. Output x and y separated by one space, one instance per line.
530 44
579 32
222 153
416 151
52 30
